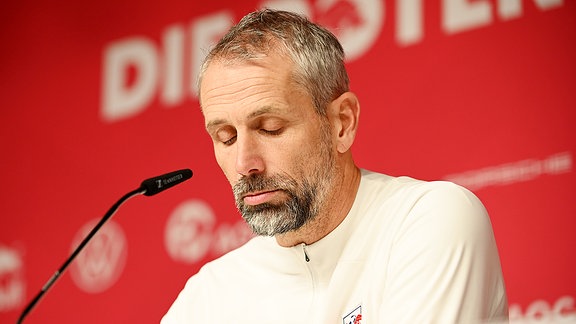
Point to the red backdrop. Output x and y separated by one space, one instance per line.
97 96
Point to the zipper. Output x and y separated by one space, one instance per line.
313 294
306 257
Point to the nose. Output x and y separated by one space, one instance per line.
249 157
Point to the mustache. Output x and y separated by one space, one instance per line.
261 182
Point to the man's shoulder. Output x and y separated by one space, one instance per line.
409 186
406 200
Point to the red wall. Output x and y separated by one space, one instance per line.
95 97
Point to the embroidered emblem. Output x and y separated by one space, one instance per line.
355 317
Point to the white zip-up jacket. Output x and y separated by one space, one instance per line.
409 251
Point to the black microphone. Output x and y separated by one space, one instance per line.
158 184
148 187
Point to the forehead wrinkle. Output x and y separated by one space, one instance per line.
240 89
233 94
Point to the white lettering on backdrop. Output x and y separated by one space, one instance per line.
514 172
137 69
134 69
562 310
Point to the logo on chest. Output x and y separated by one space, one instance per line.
354 317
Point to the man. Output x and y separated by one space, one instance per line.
334 244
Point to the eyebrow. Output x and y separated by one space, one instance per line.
262 111
259 112
214 123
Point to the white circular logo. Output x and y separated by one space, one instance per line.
356 23
189 231
102 261
12 286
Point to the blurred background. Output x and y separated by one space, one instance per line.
96 96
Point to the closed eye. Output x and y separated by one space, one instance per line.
229 141
225 135
272 131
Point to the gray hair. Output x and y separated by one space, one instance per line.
317 55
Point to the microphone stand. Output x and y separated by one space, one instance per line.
80 247
148 187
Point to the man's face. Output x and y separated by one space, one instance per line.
275 150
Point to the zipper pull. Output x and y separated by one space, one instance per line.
305 254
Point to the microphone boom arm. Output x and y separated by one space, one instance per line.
149 187
80 247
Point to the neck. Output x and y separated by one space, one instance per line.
338 204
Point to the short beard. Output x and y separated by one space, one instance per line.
270 219
304 200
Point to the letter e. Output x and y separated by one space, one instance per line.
460 15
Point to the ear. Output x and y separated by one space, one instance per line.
344 114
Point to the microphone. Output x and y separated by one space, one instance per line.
148 187
158 184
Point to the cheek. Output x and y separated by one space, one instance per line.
302 161
227 164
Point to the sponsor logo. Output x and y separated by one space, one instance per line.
354 317
510 173
562 310
356 23
102 261
189 231
162 182
12 285
193 234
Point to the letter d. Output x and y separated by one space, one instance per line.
120 100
